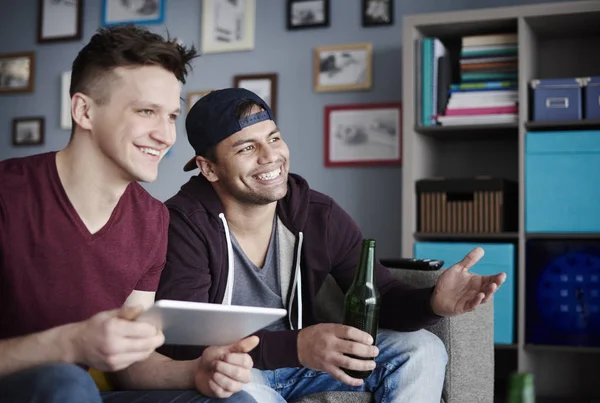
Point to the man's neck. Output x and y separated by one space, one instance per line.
249 221
91 181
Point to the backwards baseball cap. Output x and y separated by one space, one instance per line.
213 118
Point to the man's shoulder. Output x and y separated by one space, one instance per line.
18 173
142 201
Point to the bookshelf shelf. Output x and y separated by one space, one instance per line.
448 236
562 235
563 125
563 349
469 132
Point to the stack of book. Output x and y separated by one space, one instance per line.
488 89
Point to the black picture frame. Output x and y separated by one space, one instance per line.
28 131
369 21
293 5
73 29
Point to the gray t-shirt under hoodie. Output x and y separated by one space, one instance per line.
254 286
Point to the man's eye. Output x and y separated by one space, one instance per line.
146 112
245 149
173 117
274 139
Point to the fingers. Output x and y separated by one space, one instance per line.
357 349
489 291
233 373
352 333
471 258
127 328
130 312
245 345
475 302
218 390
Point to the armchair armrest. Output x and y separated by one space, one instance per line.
469 341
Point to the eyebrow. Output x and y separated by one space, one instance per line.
139 104
251 140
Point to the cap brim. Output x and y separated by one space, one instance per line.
190 165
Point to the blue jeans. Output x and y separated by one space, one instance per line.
65 383
411 367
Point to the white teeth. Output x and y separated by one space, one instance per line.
150 151
269 175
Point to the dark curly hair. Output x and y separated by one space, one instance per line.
125 46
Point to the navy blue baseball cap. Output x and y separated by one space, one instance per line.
212 119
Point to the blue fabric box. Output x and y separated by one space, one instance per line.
499 257
557 99
562 181
592 98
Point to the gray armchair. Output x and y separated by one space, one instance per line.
469 341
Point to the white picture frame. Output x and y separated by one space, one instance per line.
65 101
219 19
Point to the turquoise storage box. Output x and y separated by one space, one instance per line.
499 257
562 181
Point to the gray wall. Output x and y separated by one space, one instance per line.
372 195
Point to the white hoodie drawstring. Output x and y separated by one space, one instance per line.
299 279
229 288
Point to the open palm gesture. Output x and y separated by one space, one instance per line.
458 291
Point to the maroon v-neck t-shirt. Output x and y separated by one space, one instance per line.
52 269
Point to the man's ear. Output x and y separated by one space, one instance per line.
81 110
207 168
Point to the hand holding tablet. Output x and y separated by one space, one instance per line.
205 324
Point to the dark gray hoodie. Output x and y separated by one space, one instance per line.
316 238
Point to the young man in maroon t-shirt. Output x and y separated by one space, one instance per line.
82 245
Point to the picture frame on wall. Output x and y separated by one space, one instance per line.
194 96
264 85
363 134
17 72
115 12
343 67
28 131
228 26
377 13
59 20
65 101
303 14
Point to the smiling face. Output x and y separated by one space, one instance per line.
251 165
135 127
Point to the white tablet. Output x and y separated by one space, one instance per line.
204 324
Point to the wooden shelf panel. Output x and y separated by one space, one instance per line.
471 132
562 349
562 235
479 237
506 346
563 125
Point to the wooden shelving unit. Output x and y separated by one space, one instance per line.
555 40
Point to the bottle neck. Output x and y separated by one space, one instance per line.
366 266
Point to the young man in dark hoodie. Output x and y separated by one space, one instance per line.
246 231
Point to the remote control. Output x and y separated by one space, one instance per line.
413 264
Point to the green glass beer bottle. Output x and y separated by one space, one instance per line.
521 388
362 301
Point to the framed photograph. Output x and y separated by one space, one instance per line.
377 12
194 96
343 67
28 131
65 101
17 72
263 85
228 25
303 14
59 20
364 134
116 12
